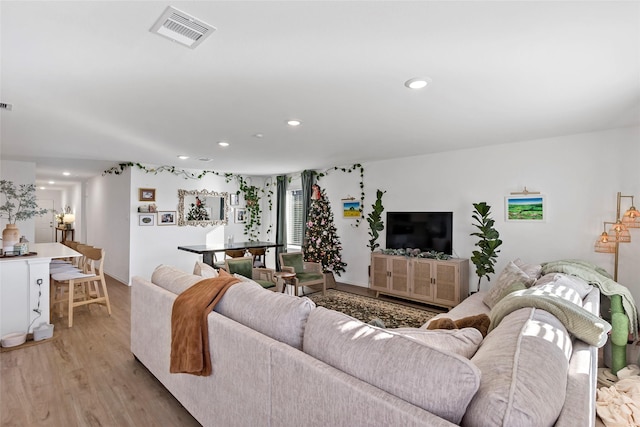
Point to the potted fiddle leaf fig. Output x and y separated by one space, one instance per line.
376 225
489 240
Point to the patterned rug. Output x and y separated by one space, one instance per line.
366 309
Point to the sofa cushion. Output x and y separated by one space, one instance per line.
173 279
279 316
204 270
463 341
509 276
438 381
524 364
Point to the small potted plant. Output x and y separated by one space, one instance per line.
19 205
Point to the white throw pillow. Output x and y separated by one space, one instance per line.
510 276
204 270
531 270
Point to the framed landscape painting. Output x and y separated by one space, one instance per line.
351 209
529 208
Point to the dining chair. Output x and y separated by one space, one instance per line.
258 255
307 273
229 253
244 267
72 287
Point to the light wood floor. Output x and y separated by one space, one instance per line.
86 377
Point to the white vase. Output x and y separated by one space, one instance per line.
10 237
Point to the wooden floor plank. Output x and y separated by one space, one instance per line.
86 377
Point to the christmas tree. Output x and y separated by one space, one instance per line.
321 243
198 211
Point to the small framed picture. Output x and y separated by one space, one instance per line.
166 217
234 199
147 194
525 208
240 215
146 219
351 209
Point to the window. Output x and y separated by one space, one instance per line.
294 218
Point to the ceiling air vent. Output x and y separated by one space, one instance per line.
7 107
181 27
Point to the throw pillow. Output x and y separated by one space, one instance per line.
204 270
573 282
508 277
531 270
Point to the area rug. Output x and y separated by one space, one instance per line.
367 309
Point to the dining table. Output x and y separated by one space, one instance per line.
208 251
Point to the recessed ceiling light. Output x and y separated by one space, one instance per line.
66 173
258 135
223 144
42 188
204 159
417 82
51 182
294 122
183 157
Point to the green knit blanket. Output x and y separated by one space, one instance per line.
583 324
602 280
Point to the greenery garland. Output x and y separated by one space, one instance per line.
251 193
355 168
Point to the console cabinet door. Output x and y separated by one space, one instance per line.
399 280
379 273
446 284
421 272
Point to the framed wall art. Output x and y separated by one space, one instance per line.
525 208
234 199
166 217
147 194
146 219
351 208
240 215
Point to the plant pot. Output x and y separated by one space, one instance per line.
10 237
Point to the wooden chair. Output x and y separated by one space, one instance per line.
244 267
258 255
73 287
307 273
229 253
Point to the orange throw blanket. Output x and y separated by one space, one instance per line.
189 330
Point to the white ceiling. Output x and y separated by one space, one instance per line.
87 80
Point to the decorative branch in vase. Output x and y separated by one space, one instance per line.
19 205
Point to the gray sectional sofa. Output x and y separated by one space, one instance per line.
280 361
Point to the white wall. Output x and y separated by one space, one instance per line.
19 173
106 201
579 175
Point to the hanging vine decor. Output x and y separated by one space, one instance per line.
251 193
355 168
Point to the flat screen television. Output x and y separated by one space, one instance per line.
428 231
